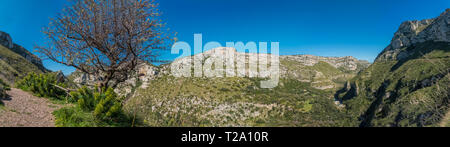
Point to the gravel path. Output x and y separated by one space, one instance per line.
22 109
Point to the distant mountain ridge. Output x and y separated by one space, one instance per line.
303 68
347 62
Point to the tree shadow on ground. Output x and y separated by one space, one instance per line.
5 98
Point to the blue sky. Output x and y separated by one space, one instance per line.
359 28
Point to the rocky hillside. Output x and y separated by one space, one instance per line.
322 72
408 84
304 96
16 61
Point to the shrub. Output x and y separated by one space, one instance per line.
73 117
4 85
108 105
76 117
84 97
42 85
102 108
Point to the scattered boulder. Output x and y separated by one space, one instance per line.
60 78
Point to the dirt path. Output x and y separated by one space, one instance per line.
22 109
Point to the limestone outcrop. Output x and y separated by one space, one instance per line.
414 32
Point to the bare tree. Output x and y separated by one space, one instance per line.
106 38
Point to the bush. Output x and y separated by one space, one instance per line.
108 105
4 85
93 109
42 85
76 117
105 105
73 117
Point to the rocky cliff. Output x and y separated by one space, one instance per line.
415 32
16 61
6 41
408 84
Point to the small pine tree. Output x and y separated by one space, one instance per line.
105 105
42 85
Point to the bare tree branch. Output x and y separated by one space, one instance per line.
106 38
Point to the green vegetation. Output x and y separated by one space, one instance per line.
233 102
197 102
4 85
325 68
3 88
42 85
413 91
13 66
93 109
322 75
74 117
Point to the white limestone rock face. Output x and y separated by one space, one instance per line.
413 32
439 30
231 64
83 79
146 73
406 35
252 65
